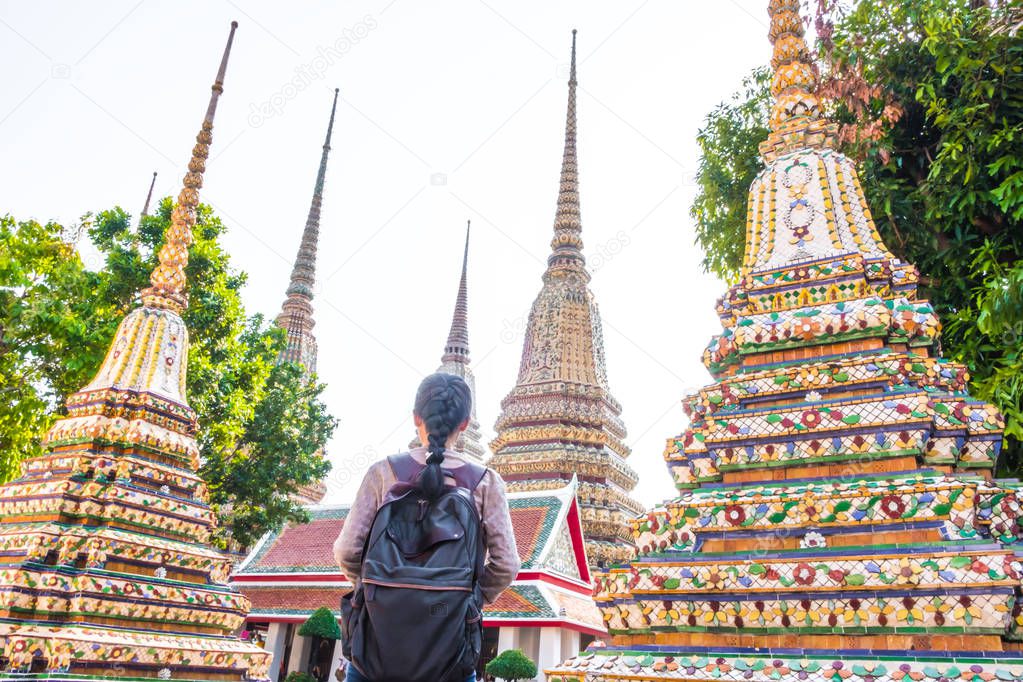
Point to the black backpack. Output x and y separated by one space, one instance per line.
417 613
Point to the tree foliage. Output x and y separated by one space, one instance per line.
261 425
929 95
729 162
512 665
322 623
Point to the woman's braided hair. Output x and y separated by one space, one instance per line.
443 402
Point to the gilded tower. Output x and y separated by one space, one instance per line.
455 360
561 420
296 316
106 570
836 517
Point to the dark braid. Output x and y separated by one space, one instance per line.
443 402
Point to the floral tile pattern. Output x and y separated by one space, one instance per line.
834 482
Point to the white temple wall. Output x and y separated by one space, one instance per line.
335 661
275 644
547 646
569 643
549 652
299 653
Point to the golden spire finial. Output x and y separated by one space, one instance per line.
796 118
167 283
795 75
567 245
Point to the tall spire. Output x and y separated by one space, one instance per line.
296 315
808 204
567 244
457 348
456 361
167 283
796 117
795 75
149 197
153 359
560 420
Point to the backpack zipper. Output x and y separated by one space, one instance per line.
411 586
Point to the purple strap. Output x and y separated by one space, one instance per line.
407 469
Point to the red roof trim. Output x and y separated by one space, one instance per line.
333 577
570 584
543 623
267 580
576 529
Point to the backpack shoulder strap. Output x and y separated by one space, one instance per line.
469 475
404 467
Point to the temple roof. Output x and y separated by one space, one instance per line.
299 548
542 522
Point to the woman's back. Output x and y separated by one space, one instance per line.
427 540
502 564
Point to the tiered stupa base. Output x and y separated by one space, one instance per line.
836 519
748 664
105 567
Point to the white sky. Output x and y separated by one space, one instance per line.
449 110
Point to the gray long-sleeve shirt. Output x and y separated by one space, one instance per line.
502 563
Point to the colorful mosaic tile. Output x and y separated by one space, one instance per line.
834 482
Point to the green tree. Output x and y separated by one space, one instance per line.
39 328
258 421
929 95
729 162
322 623
512 665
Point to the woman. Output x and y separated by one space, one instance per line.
442 409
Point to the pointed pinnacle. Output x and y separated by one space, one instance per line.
149 197
457 347
167 281
566 247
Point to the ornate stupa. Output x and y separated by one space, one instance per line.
560 419
455 360
296 316
105 566
836 517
